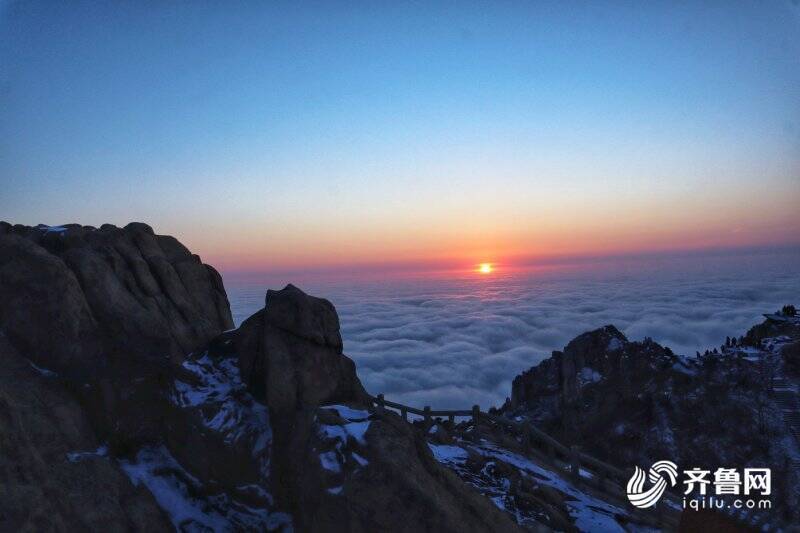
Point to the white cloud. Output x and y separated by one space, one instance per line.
450 344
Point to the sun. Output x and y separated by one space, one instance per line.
485 268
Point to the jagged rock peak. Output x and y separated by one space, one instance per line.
89 320
311 318
135 292
603 354
290 352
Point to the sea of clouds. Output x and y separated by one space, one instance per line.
452 343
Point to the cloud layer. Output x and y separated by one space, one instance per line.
454 343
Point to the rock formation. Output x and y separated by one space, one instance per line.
129 403
106 291
91 322
54 473
341 468
632 403
597 374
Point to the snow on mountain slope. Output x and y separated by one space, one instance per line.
505 477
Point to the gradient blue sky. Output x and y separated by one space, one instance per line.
287 136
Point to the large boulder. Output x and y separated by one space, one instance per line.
305 316
290 356
144 295
290 353
334 465
111 310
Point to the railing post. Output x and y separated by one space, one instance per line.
381 403
575 463
404 413
427 411
476 413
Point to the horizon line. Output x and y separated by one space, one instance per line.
515 262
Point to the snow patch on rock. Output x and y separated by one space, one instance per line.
614 344
43 371
175 491
354 415
588 512
356 430
341 442
51 229
448 454
330 461
221 396
74 457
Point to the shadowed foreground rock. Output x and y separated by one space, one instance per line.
115 290
382 477
100 306
128 403
91 321
54 474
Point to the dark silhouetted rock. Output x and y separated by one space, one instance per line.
141 294
43 310
791 357
305 316
110 311
54 474
290 354
632 403
386 480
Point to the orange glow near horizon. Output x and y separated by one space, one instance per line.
451 239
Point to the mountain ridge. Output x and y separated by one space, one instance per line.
188 423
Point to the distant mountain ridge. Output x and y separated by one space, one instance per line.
633 403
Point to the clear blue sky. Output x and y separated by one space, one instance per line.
288 134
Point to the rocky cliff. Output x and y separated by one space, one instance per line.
334 465
91 321
128 403
55 474
633 403
107 291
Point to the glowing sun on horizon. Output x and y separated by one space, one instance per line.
485 268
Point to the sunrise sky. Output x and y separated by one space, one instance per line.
284 137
